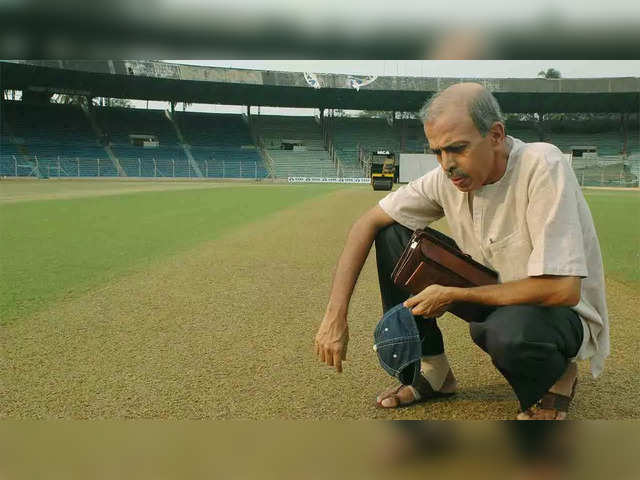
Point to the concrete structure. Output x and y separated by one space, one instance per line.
153 80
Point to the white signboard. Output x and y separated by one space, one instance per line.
415 165
569 158
327 180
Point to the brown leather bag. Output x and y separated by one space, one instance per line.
432 258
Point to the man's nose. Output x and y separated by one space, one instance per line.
448 165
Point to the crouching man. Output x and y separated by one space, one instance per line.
515 207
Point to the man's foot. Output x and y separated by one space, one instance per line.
404 395
554 404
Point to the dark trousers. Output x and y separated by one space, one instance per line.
530 345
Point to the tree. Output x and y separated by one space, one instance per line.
550 73
387 114
9 94
376 114
67 99
119 102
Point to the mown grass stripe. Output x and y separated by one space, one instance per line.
616 215
51 249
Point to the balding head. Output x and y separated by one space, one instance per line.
472 98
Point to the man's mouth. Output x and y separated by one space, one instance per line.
458 180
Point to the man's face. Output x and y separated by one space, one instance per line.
466 157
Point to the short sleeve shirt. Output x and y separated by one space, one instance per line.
533 221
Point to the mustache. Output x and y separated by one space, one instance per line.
455 173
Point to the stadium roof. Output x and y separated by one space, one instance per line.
155 80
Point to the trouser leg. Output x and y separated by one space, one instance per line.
530 345
390 243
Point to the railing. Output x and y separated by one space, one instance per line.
363 161
266 158
331 149
145 168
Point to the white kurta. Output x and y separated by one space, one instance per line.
533 221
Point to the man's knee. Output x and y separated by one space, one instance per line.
394 234
510 336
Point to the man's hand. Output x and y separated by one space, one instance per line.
433 301
331 342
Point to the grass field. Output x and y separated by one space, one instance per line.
60 248
201 300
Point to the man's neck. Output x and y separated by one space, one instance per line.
501 164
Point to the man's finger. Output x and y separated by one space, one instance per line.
411 302
329 358
337 360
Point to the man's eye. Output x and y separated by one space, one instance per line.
458 149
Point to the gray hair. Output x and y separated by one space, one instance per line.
484 110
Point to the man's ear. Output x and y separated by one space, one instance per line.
497 133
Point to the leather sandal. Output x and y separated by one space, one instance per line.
553 402
422 391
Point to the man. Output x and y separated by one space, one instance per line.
514 207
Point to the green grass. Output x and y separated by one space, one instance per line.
54 248
166 341
616 215
64 247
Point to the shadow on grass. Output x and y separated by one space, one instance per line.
497 392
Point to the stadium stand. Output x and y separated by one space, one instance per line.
221 145
51 140
607 167
349 134
49 136
370 134
412 139
59 140
295 145
118 123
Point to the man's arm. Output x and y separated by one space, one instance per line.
545 290
333 335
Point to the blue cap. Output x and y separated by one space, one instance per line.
398 344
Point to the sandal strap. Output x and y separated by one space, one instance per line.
423 387
554 401
394 395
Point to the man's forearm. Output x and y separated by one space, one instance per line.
545 290
357 246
